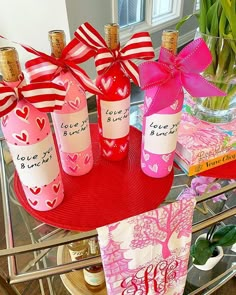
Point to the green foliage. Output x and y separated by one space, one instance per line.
217 18
203 249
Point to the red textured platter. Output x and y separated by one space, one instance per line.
110 192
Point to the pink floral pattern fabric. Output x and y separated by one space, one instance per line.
148 254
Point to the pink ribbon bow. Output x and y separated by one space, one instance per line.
45 96
46 67
138 47
170 74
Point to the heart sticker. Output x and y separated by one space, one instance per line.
106 82
56 187
75 104
4 121
34 203
36 190
23 113
23 137
40 123
51 204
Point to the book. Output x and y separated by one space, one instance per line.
205 165
202 146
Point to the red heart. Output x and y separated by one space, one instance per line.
36 190
23 113
51 203
40 123
56 187
4 121
34 203
22 137
87 159
73 158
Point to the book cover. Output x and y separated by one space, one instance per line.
200 141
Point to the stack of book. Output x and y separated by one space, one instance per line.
202 146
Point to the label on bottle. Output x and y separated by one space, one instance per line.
73 131
36 164
94 278
77 255
161 132
115 118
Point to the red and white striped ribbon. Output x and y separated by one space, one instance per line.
45 96
138 47
46 67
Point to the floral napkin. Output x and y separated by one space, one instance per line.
148 254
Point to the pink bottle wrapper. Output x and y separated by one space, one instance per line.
72 129
29 138
159 137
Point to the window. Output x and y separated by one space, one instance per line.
130 12
197 5
156 14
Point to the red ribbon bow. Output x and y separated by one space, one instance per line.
170 74
46 68
45 96
138 47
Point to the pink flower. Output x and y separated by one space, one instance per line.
200 185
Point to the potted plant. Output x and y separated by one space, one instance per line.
208 248
216 20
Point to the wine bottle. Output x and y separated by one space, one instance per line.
114 103
29 138
71 123
160 129
78 249
94 275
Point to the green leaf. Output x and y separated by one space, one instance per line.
183 20
203 17
229 10
212 19
225 236
201 251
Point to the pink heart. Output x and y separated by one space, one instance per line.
87 159
73 169
75 104
73 158
4 121
106 82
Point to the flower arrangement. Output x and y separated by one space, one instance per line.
217 26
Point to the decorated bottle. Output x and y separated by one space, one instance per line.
94 275
29 138
113 104
71 123
159 130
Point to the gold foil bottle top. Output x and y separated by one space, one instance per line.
112 35
57 41
9 64
170 40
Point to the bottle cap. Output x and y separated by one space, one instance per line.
57 41
170 40
112 35
9 64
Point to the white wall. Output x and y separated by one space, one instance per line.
28 22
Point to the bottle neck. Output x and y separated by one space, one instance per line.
170 40
112 36
57 42
9 64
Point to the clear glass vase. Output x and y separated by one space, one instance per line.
222 73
